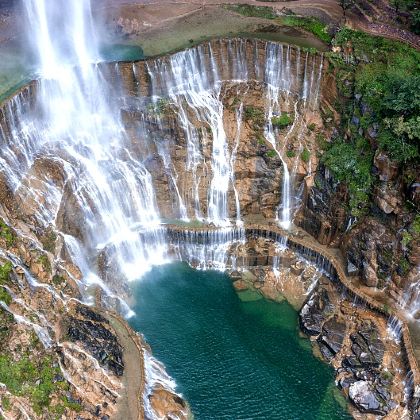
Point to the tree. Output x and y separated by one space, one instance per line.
345 5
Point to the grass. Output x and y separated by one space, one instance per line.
312 25
33 379
247 10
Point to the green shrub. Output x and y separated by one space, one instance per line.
5 402
290 153
310 24
5 296
48 241
281 121
5 271
353 167
305 155
321 141
7 234
388 80
260 139
58 280
311 127
33 379
255 114
415 226
407 237
271 154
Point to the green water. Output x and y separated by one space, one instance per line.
232 358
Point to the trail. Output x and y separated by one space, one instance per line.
130 405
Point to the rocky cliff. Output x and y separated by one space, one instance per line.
219 128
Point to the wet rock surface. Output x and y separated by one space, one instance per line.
370 249
354 346
97 339
324 213
331 338
315 312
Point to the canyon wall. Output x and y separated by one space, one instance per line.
226 133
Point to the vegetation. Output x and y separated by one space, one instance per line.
353 167
247 10
7 234
411 8
403 266
160 107
5 296
413 232
48 241
35 379
260 139
310 24
380 84
271 154
305 155
5 271
45 262
58 280
290 153
255 114
5 402
281 121
388 80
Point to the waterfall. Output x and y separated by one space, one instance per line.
207 249
410 300
84 157
196 89
81 130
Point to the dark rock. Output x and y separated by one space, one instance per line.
371 247
325 212
313 314
345 382
363 395
331 338
90 314
98 341
352 270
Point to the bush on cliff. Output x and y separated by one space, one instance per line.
281 121
351 165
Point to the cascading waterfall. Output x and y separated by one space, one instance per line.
410 300
280 79
191 82
191 87
81 130
207 249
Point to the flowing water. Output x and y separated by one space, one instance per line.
232 358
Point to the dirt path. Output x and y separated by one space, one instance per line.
130 405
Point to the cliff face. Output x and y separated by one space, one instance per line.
219 129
